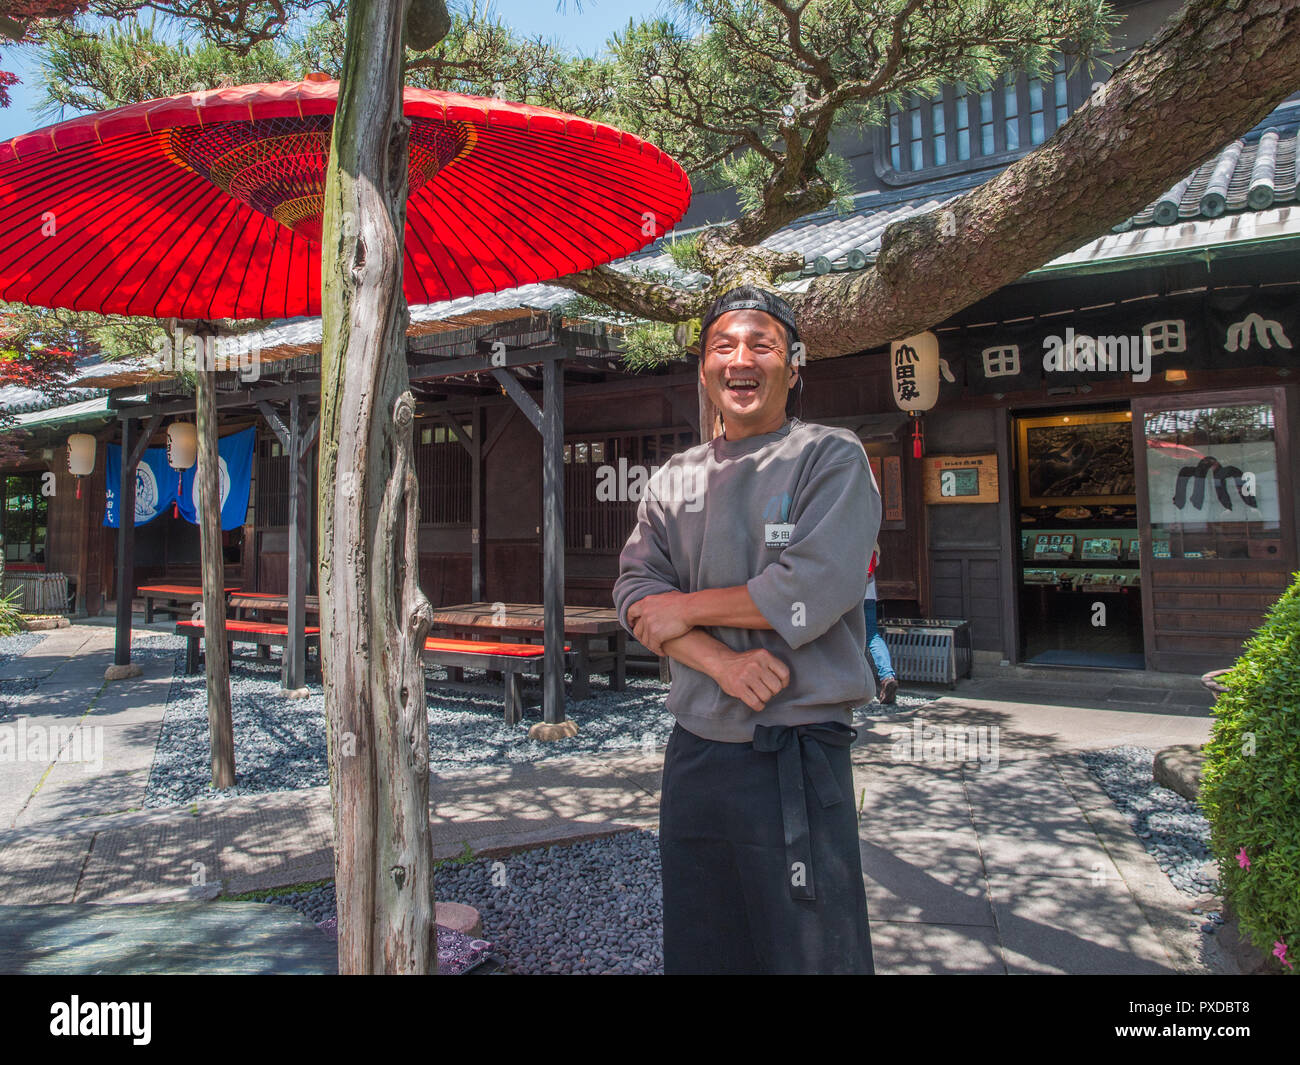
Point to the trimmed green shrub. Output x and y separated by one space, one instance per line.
1250 791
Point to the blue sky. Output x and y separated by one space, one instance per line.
583 31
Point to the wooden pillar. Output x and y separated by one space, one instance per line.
478 517
709 421
294 664
125 550
553 538
207 486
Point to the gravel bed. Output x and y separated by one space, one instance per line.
280 743
17 645
584 908
1172 828
15 692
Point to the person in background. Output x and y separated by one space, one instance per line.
876 646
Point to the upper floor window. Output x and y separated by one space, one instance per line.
964 128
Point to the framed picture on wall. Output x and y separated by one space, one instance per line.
1076 458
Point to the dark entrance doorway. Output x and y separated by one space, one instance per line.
1079 563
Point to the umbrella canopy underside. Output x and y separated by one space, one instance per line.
207 205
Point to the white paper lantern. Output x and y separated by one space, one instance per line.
81 457
81 454
914 372
182 445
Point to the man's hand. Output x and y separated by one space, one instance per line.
657 618
753 677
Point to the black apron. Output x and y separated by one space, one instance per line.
759 847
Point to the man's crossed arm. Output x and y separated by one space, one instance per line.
669 624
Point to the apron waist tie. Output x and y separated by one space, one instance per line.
799 748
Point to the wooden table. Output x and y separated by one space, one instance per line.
174 595
582 624
269 602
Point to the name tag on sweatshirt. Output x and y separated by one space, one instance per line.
777 534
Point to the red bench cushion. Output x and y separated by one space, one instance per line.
485 647
234 625
169 589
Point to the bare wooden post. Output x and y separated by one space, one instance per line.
207 489
373 615
478 522
125 550
708 412
553 538
293 667
132 453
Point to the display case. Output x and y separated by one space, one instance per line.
1101 556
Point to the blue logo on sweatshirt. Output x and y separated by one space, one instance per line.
778 508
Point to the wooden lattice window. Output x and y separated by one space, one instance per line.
598 468
445 473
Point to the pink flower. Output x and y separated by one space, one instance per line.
1242 859
1279 952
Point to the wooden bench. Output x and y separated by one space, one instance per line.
262 633
509 659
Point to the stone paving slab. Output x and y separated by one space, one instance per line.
1075 926
175 939
906 948
934 878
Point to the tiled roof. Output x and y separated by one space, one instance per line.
1254 175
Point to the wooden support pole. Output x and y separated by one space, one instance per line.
132 453
207 487
478 523
553 538
125 550
294 664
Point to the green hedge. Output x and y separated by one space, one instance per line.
1251 787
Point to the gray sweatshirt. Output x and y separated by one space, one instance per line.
791 515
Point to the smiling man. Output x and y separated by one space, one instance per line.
756 596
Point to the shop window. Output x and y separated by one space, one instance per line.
1212 483
26 512
603 479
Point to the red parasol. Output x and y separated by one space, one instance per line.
208 205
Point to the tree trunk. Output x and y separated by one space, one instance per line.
207 487
373 616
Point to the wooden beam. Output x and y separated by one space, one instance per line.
277 426
499 430
125 550
207 489
458 431
309 436
553 541
467 364
137 451
478 512
293 665
526 404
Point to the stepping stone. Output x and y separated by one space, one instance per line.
164 939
